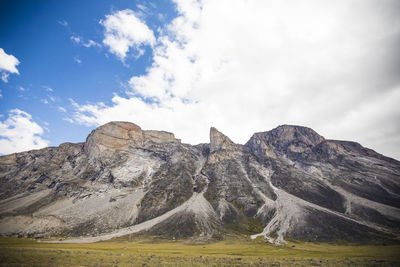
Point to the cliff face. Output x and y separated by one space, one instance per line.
285 183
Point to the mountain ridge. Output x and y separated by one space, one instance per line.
288 182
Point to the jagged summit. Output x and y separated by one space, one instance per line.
288 182
219 141
287 140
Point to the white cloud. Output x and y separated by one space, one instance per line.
46 100
77 60
248 66
68 120
20 133
4 76
63 23
62 109
91 43
76 39
124 31
142 7
21 88
80 41
8 64
48 89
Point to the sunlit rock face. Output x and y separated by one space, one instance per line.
287 183
113 136
219 141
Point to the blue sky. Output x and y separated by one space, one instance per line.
67 67
39 35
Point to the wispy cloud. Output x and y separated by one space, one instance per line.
76 39
153 5
63 23
91 43
79 40
142 7
4 76
47 88
48 99
68 120
77 60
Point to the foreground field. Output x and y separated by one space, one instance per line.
28 252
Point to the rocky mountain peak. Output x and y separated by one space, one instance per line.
119 135
113 135
219 141
291 133
119 129
290 140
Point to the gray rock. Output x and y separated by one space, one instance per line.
289 182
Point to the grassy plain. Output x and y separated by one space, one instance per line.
235 252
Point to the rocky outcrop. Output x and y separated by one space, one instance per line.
219 141
285 140
285 183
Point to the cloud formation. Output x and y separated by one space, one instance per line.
124 31
75 38
79 41
63 23
8 64
77 60
248 66
91 43
47 88
20 133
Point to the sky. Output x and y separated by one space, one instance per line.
242 66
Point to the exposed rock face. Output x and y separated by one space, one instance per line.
219 141
289 182
286 140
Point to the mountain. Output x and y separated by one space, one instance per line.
289 183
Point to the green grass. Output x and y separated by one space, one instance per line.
234 252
